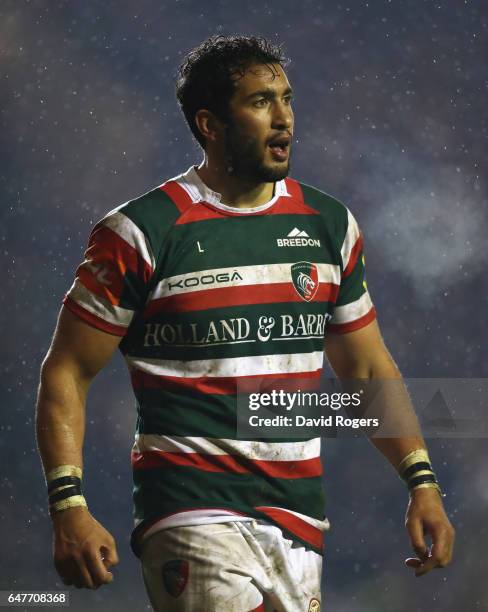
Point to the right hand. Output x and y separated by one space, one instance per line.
83 549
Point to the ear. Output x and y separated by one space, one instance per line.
209 125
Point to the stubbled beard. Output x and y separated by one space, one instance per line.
245 160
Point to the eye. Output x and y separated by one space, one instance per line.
288 99
260 103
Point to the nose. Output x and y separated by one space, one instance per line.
282 116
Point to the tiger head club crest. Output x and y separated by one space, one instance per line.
175 576
305 279
314 605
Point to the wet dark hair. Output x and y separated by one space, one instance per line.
204 78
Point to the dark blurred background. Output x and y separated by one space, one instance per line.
391 118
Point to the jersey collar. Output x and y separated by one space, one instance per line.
199 192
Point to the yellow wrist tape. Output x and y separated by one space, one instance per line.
414 457
429 485
70 502
63 470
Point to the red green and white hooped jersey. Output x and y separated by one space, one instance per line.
206 296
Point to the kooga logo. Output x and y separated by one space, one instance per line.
205 279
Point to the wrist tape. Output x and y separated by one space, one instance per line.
416 470
64 488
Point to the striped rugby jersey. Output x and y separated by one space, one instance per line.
206 296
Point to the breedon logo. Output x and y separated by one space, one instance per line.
305 279
297 238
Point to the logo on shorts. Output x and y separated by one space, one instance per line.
314 605
175 576
305 279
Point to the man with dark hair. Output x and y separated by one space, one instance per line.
228 272
207 76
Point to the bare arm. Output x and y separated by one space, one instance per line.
362 354
78 352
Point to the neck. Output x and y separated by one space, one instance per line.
235 191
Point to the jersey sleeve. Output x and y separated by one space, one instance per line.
353 308
111 283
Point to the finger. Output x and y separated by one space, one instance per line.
417 540
442 545
66 570
65 574
97 569
82 578
426 567
440 554
109 555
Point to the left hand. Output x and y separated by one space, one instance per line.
426 516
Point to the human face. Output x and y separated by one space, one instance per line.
259 133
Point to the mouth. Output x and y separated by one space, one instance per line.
280 147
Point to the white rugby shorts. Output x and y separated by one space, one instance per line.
230 567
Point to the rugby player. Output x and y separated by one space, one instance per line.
229 271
